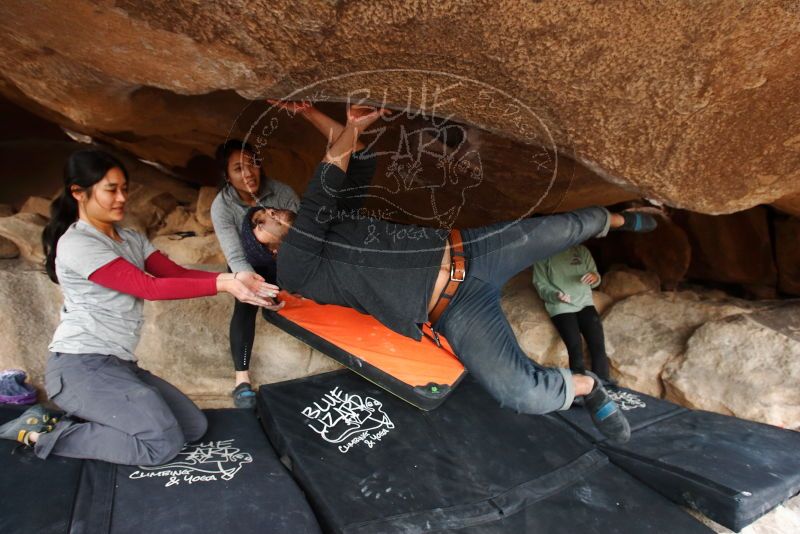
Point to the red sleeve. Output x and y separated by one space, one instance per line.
161 266
121 275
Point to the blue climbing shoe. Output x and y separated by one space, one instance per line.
244 396
636 221
605 413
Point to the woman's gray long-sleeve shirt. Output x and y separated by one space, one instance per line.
228 211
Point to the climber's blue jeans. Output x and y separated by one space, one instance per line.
474 323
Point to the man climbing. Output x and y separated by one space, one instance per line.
406 275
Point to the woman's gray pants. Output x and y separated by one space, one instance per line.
116 412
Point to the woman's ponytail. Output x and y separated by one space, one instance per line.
84 168
63 212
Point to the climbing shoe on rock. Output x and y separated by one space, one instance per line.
605 413
34 419
637 222
244 396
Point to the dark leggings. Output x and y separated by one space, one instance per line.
570 326
242 333
243 325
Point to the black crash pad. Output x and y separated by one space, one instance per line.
731 470
230 480
370 463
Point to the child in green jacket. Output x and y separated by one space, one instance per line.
565 282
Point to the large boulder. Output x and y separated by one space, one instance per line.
789 204
25 231
182 220
622 282
602 301
29 314
646 331
677 104
8 249
153 195
147 209
531 324
37 205
205 197
743 365
192 250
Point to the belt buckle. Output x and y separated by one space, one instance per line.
453 273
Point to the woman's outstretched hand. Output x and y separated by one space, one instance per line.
257 285
250 288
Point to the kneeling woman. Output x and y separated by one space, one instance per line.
122 413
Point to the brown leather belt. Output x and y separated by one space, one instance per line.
458 271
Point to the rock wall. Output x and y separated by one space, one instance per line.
746 365
29 305
734 249
787 254
648 330
688 103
